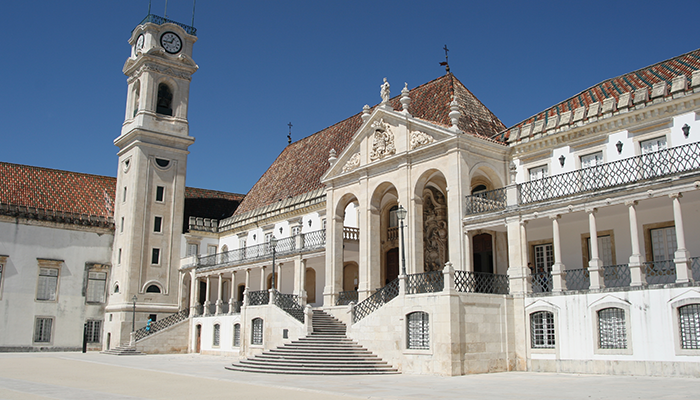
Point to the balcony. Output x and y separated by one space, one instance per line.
643 168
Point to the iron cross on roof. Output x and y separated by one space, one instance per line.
289 136
445 63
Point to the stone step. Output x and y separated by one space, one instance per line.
311 372
329 357
315 363
123 351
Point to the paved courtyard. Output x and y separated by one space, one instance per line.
99 376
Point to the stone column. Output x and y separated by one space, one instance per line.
468 256
232 298
517 270
558 282
193 292
220 294
263 284
636 260
595 265
334 256
247 287
525 254
681 257
207 292
302 281
278 278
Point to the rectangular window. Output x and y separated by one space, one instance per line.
538 172
655 161
690 326
97 282
47 285
158 224
155 256
236 335
296 230
542 330
42 330
241 243
211 250
192 249
592 177
124 195
604 249
160 193
611 329
663 243
539 189
119 257
217 335
417 331
94 330
257 332
121 225
542 273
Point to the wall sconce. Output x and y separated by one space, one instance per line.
562 159
280 230
686 130
619 147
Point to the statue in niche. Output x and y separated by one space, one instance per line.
384 91
434 229
382 141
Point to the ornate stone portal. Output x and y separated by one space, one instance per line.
434 229
382 141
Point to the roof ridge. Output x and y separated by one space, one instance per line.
57 170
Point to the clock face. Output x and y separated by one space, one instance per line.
171 42
139 42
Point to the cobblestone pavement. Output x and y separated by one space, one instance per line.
100 376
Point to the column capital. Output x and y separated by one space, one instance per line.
555 217
630 203
523 222
676 195
591 210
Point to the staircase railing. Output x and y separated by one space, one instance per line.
258 297
481 282
425 282
376 300
161 324
290 304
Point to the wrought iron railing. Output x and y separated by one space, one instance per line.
258 297
541 282
630 170
236 307
345 298
695 266
160 21
481 282
161 324
211 309
616 275
578 279
659 272
310 241
491 200
425 282
290 304
351 233
224 308
198 310
376 300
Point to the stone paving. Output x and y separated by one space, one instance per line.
100 376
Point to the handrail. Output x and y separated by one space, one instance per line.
376 300
161 324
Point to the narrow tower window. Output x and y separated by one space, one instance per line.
158 224
165 100
160 193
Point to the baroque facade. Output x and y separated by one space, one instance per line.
446 242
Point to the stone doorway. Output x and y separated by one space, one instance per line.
482 246
391 266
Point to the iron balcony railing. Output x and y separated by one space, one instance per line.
541 282
578 279
345 298
492 200
425 282
617 275
258 297
160 21
236 307
290 304
161 324
310 241
376 300
695 265
660 271
481 282
630 170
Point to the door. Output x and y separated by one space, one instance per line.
310 285
391 270
198 345
483 253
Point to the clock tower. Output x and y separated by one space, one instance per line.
149 202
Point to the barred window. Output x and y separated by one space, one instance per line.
257 331
48 282
542 330
690 326
94 329
42 330
611 329
236 335
217 335
97 282
417 330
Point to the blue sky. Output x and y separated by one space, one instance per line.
264 64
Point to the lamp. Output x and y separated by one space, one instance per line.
619 147
401 215
686 130
273 243
562 159
133 314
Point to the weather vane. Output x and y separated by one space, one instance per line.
444 63
289 136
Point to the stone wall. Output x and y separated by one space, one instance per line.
171 340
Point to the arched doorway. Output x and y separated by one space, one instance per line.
310 285
350 277
269 280
482 246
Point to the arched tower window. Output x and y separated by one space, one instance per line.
137 96
165 100
153 289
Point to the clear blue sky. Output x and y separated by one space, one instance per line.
314 63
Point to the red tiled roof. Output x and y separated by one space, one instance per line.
685 64
298 169
196 193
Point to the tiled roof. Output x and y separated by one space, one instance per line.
298 169
66 196
645 78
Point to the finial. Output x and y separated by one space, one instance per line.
454 113
365 113
289 135
332 157
405 100
445 63
384 91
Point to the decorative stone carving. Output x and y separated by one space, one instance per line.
434 229
352 163
419 139
382 141
384 91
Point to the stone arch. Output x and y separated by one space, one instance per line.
165 96
384 236
483 174
136 97
351 275
150 286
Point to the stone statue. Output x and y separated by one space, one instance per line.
434 229
384 92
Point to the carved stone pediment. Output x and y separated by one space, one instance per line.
419 139
352 163
382 141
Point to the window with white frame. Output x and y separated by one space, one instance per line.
592 178
236 335
94 329
539 187
96 284
211 249
689 319
542 330
256 334
538 172
296 230
544 258
612 333
663 243
47 284
655 162
591 160
192 249
42 329
217 335
241 243
604 249
417 331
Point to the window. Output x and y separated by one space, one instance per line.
42 329
538 172
542 330
591 177
94 329
605 252
121 225
163 163
417 331
160 193
689 318
192 249
654 159
256 336
153 289
124 195
241 243
96 284
217 335
393 218
48 283
119 257
663 242
155 256
236 335
296 230
211 249
539 188
165 100
541 275
611 329
158 224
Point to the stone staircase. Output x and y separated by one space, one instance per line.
123 350
326 351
